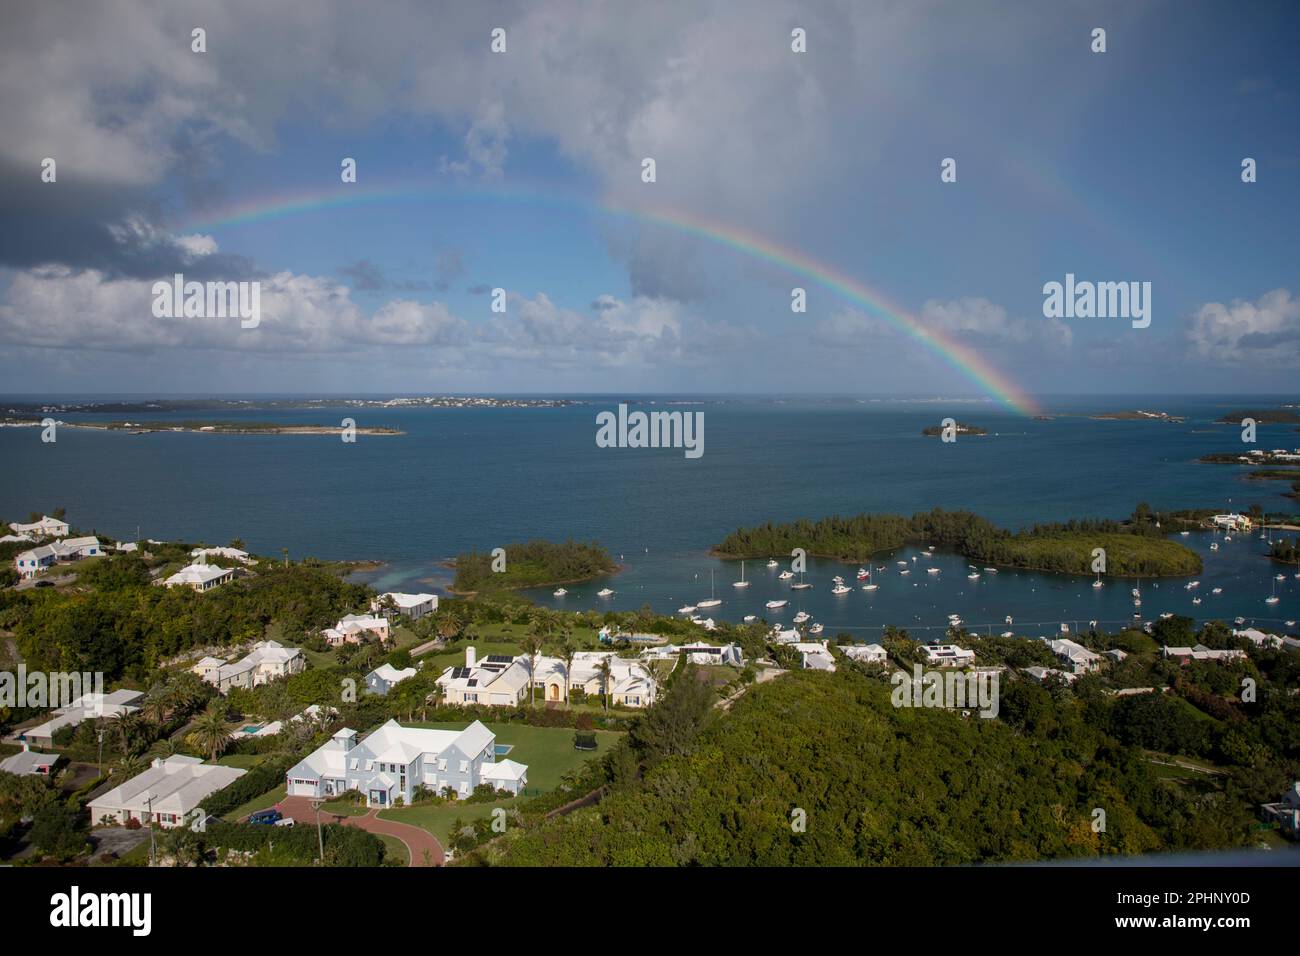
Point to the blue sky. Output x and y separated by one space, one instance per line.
1115 166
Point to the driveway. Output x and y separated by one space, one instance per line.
419 842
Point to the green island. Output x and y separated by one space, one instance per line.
1137 547
532 564
1267 416
934 431
1237 458
1137 415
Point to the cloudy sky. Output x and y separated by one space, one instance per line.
522 171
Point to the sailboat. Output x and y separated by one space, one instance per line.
712 601
1097 583
1272 598
801 586
742 583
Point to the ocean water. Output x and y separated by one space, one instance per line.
480 478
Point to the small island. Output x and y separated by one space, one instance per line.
1137 415
1270 416
962 428
1136 547
1254 457
531 564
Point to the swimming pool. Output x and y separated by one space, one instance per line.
503 749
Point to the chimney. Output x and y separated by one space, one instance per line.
469 656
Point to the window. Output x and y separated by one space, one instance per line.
464 766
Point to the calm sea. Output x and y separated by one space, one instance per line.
480 478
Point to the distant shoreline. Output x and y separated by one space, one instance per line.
209 428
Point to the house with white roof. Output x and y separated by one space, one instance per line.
1285 812
1041 674
268 661
200 577
504 681
1259 638
17 539
1232 522
1202 653
201 555
410 606
354 628
865 653
497 681
28 761
28 563
1074 657
947 655
47 527
167 793
91 706
385 677
815 656
394 761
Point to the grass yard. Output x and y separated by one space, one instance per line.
547 751
261 802
394 850
438 819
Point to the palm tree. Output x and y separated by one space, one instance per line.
435 696
606 673
166 747
125 726
568 652
209 731
127 767
156 707
532 645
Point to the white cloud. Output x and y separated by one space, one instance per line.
1266 331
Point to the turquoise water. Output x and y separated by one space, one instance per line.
463 478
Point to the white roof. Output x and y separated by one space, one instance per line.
26 761
197 574
408 600
391 674
177 785
505 770
391 743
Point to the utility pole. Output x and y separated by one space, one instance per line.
152 846
320 836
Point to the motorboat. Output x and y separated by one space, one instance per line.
772 563
863 573
604 592
774 605
559 592
841 589
931 570
870 587
688 609
816 629
801 617
750 618
1217 591
786 575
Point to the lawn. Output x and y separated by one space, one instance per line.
438 819
394 850
547 751
261 802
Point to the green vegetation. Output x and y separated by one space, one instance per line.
1135 547
534 564
1267 416
934 431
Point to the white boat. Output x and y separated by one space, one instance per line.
1272 599
990 570
870 587
841 589
688 609
1136 593
1098 583
838 579
773 605
1193 584
772 563
1196 600
905 571
863 573
1214 546
1009 621
802 585
1227 537
1184 533
973 575
742 583
816 629
750 618
712 601
1290 623
559 592
1008 633
604 592
801 617
1239 621
786 575
1217 591
901 564
931 570
928 554
1279 577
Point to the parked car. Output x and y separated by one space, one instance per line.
266 817
284 822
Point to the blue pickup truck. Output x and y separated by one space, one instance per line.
265 817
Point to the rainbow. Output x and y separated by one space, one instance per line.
961 357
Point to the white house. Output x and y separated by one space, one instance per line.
1286 812
503 681
267 661
28 761
1232 522
201 555
200 577
1259 638
16 539
393 761
28 563
1202 653
815 657
1040 674
352 628
947 655
385 677
412 606
47 527
167 793
866 653
1076 658
91 706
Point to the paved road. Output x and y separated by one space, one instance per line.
419 842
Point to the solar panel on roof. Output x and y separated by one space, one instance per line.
499 659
